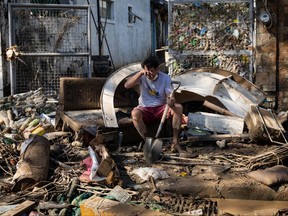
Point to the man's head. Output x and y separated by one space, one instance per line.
150 65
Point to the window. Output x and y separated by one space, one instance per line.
107 9
130 15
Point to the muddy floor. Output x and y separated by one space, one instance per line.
208 171
195 183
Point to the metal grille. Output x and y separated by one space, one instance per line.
239 64
54 42
217 33
181 205
45 71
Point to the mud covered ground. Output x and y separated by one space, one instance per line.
192 184
209 170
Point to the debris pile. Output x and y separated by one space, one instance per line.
45 171
215 26
211 35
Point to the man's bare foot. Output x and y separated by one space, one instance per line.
175 147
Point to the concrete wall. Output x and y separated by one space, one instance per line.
128 43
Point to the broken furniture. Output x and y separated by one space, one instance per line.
91 105
104 103
216 123
80 110
264 125
223 88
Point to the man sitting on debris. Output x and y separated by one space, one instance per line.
155 89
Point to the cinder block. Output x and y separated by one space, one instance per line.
97 206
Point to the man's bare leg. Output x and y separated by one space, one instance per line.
176 126
138 122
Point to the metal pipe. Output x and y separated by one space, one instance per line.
12 76
277 87
1 68
99 28
54 54
218 109
89 43
40 6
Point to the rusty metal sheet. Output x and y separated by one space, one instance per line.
235 93
237 98
108 91
216 123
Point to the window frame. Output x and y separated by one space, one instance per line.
110 10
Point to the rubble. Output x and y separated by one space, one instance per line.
210 169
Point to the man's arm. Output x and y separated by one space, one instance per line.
133 81
171 100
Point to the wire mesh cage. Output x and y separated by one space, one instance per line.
53 41
239 64
211 34
45 72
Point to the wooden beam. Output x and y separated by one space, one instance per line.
216 137
22 208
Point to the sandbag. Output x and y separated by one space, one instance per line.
33 165
270 176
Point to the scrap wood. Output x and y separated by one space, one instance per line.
21 209
101 190
35 192
218 109
223 157
273 157
178 157
53 205
269 158
216 137
177 163
11 200
64 176
7 155
57 134
60 163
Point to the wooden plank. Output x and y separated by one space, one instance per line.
20 209
216 123
80 119
217 137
